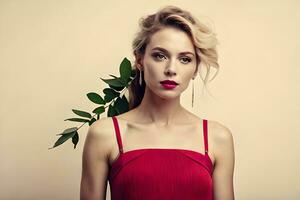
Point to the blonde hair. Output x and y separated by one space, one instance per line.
202 36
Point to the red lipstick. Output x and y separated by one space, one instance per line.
169 84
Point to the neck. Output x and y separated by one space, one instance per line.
160 111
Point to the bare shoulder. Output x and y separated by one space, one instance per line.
100 135
222 140
219 132
101 129
95 160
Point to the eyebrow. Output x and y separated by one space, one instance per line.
165 51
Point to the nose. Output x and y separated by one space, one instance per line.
170 69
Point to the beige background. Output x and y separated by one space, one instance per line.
52 53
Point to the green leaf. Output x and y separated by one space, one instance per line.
111 111
99 110
116 88
121 104
68 130
75 139
125 69
113 76
77 120
95 98
110 94
64 138
92 121
82 113
117 82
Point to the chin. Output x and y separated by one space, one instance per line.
168 94
165 93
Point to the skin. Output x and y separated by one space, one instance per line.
159 121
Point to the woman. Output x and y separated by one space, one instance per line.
158 149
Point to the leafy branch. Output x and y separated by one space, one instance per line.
114 99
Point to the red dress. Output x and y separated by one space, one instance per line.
161 174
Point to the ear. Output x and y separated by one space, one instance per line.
138 60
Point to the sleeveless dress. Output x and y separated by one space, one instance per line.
161 174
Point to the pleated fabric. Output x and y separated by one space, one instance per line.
161 174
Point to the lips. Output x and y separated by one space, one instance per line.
169 82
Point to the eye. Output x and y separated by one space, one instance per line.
158 56
186 60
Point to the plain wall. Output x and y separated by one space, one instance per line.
52 53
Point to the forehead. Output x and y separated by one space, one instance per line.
172 39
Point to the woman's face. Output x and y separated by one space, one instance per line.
170 55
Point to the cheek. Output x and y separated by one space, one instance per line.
151 76
152 70
187 74
186 78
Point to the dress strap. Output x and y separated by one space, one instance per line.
205 135
118 135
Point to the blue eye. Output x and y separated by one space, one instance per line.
187 60
158 55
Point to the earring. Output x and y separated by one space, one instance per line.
193 94
140 79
